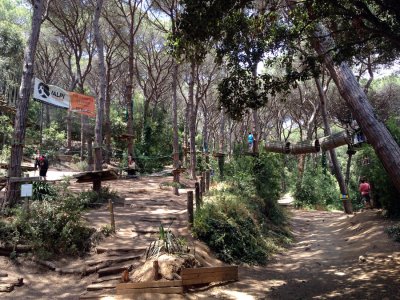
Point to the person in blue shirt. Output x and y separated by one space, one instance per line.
250 140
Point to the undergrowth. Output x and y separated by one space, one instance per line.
240 219
394 232
53 224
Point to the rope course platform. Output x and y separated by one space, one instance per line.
90 176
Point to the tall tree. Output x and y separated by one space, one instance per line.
14 169
132 13
100 99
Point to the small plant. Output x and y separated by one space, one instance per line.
107 230
167 243
394 232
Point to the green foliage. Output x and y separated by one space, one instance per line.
318 189
242 221
42 190
54 224
394 232
234 228
369 166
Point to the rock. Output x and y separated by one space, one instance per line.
362 259
169 267
307 249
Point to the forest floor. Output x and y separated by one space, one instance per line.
333 256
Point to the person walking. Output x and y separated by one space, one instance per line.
365 190
43 166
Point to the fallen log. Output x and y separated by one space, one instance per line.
107 278
114 270
6 288
7 249
112 260
7 284
117 251
44 263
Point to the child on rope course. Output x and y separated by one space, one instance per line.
250 140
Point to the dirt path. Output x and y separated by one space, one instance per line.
323 263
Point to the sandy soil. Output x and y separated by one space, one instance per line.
324 262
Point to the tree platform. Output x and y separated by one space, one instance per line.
91 176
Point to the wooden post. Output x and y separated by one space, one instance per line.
190 208
155 270
176 181
202 184
221 166
207 180
111 207
197 195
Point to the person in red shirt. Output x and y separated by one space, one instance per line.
365 190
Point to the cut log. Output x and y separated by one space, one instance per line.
47 264
7 249
112 260
6 288
118 251
101 286
208 275
107 278
113 270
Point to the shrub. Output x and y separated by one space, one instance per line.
241 220
394 232
317 189
54 224
383 190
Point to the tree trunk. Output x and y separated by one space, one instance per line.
100 98
192 122
69 129
332 153
175 114
83 136
376 132
129 89
14 169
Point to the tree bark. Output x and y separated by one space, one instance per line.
332 153
100 98
22 105
192 122
376 132
175 114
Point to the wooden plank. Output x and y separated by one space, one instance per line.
217 277
24 179
150 296
101 286
161 290
149 284
186 271
208 275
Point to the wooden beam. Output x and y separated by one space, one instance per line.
161 290
23 179
208 275
149 284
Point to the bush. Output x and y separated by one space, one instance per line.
394 232
241 221
54 224
230 229
383 190
318 189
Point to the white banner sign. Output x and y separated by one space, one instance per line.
51 94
